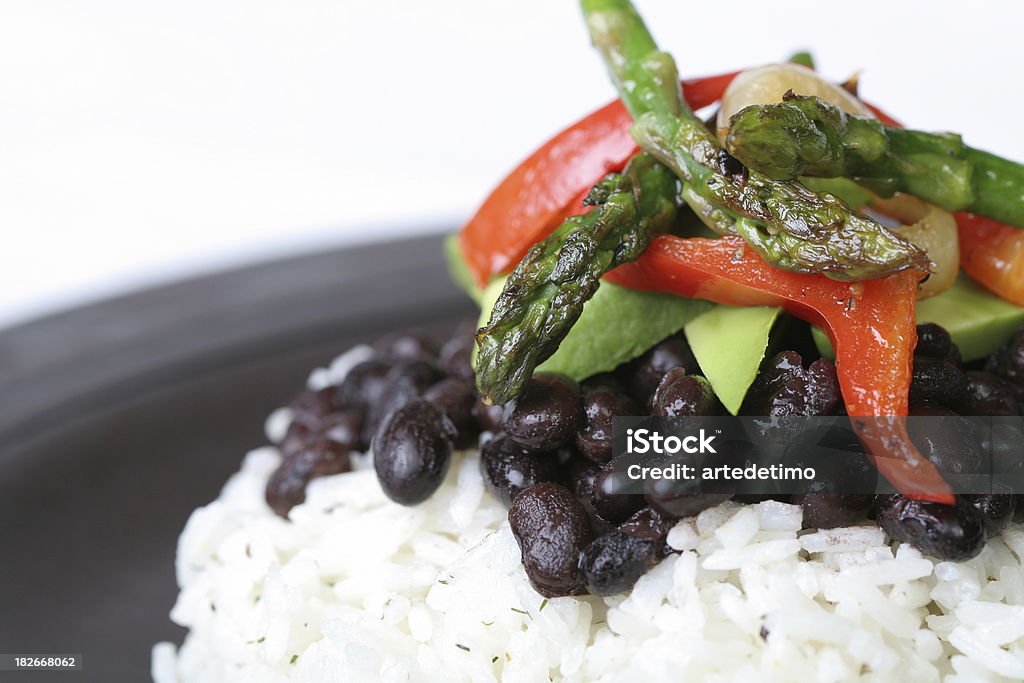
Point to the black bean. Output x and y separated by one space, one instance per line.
286 487
934 341
406 346
342 427
508 469
412 450
989 395
1004 443
1008 362
552 530
688 497
996 509
684 498
784 388
491 417
364 384
937 381
649 524
404 382
952 443
456 397
546 414
613 562
600 406
644 374
456 354
947 532
842 491
683 395
580 476
616 496
611 381
311 406
828 510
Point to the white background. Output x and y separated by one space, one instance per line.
142 141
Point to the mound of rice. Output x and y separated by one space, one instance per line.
357 588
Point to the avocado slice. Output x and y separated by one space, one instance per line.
458 270
617 325
979 321
729 343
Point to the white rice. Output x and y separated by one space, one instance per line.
356 588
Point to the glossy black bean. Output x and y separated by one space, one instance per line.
689 497
683 395
406 346
491 418
456 397
842 491
937 381
953 443
456 355
829 510
546 414
412 450
1005 439
649 524
319 457
600 406
364 384
404 382
611 381
934 341
784 388
613 562
989 394
1008 362
644 374
552 530
997 509
580 477
508 469
342 427
616 496
310 406
947 532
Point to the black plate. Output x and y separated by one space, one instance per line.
119 418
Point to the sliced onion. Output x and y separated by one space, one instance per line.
767 85
930 228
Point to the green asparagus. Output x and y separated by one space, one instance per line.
787 224
544 295
804 136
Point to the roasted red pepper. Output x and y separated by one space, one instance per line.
993 254
534 198
871 324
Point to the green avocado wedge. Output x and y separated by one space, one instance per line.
729 343
979 321
616 326
458 270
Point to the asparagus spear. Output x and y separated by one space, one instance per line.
544 295
804 136
787 224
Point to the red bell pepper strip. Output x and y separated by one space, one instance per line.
993 254
871 324
534 198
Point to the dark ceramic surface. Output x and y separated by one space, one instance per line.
119 418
